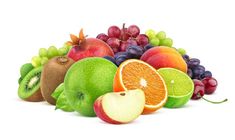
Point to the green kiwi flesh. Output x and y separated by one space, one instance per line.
29 88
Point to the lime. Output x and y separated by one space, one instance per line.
179 85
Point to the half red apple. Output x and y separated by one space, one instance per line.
120 107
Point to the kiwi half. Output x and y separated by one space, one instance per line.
29 88
53 74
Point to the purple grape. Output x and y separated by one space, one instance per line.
190 73
142 40
201 67
197 71
114 31
110 58
103 37
134 51
205 75
147 47
186 58
119 53
133 30
121 58
193 62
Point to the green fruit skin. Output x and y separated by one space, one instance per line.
173 102
19 80
86 80
25 69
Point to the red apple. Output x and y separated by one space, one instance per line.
120 107
88 47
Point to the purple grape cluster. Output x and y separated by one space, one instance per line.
195 70
132 52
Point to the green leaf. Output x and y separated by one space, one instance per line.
62 103
58 91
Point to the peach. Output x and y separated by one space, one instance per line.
160 57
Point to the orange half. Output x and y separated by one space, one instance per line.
136 74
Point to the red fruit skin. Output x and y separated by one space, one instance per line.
124 34
161 57
102 37
210 85
124 45
98 108
199 89
142 40
114 31
91 47
133 30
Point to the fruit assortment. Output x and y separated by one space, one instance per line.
116 76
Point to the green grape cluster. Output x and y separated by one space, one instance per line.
45 54
158 38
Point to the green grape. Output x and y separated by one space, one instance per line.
155 41
62 51
42 52
36 61
52 52
166 42
44 60
161 35
150 33
182 51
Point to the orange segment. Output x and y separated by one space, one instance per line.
136 74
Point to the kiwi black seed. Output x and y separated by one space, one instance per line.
29 88
53 74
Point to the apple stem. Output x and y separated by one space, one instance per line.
214 102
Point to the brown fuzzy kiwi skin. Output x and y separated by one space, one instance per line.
52 76
36 97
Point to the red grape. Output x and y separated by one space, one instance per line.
142 40
114 31
103 37
124 34
133 30
123 46
114 43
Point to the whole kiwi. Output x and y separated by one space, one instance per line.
53 74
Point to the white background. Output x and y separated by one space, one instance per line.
204 28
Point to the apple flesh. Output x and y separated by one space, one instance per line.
120 107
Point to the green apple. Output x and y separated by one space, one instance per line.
86 80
